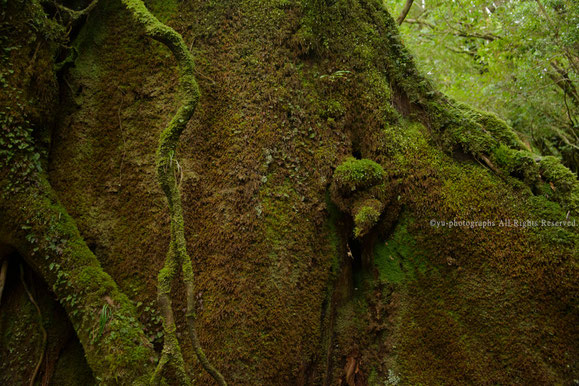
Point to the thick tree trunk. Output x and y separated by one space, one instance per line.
35 224
286 292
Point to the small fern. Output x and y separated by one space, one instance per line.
104 318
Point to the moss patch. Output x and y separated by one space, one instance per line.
398 258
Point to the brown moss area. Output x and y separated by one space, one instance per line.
284 101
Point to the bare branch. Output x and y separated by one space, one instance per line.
457 32
404 11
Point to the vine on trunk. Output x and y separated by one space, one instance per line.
166 166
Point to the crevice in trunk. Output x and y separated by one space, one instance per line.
21 339
349 287
356 264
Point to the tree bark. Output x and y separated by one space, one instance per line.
284 292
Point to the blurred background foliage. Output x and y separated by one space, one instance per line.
519 59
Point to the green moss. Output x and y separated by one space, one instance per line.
364 219
355 175
278 208
163 9
468 136
519 163
555 172
399 258
332 109
403 139
495 126
565 187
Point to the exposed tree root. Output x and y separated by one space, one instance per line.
42 329
74 15
48 239
166 166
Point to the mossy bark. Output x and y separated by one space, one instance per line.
167 169
290 90
38 227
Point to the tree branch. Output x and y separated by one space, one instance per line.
457 32
404 11
562 80
420 22
74 15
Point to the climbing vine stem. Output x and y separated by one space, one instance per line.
166 167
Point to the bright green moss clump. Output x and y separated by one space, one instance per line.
365 219
563 178
358 189
355 175
519 163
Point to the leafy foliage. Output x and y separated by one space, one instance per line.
516 58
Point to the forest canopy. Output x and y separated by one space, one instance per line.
518 59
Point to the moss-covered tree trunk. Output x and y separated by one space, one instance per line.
302 275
